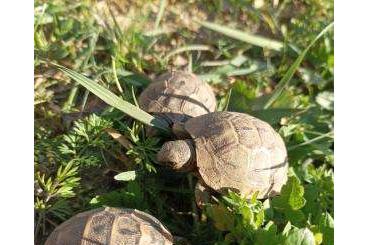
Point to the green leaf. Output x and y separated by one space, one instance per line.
248 215
224 220
115 101
126 176
290 72
244 36
274 115
268 235
287 229
290 201
300 237
326 100
326 226
241 95
130 197
291 196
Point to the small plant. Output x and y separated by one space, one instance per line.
86 142
52 195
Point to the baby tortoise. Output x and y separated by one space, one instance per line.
177 96
113 226
229 151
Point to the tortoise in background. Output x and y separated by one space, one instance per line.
177 96
113 226
229 151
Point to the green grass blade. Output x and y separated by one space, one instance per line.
244 36
193 47
274 115
326 135
163 4
115 101
291 71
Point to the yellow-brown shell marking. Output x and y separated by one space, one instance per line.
178 96
239 152
111 226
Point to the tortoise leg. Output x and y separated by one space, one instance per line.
180 241
202 194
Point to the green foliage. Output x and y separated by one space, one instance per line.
244 221
52 193
113 100
300 237
290 201
131 196
239 217
114 49
143 152
85 141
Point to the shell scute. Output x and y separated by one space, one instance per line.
112 226
178 95
239 152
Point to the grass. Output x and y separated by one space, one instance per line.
273 61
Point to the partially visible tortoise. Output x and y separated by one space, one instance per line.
177 96
229 151
112 226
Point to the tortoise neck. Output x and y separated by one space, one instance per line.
178 129
190 165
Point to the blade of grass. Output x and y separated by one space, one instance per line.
327 135
73 93
190 63
228 96
134 97
243 36
115 101
115 76
188 48
40 16
84 101
71 98
290 72
163 4
116 24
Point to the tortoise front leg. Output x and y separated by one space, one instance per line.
202 194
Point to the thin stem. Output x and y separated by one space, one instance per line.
194 205
115 76
310 141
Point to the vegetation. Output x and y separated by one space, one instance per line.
271 59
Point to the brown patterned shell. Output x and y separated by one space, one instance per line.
113 226
177 96
239 152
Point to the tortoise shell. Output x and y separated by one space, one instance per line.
238 152
178 96
114 226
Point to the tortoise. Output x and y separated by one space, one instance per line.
177 96
229 151
113 226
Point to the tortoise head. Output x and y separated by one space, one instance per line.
178 154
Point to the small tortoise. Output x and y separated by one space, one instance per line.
229 151
113 226
177 96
